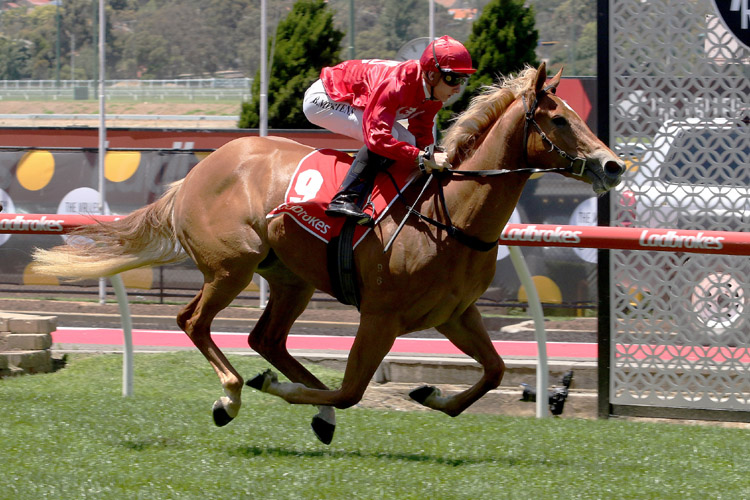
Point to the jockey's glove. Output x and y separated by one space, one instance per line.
436 161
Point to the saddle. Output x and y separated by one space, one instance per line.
313 185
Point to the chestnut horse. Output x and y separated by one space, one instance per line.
428 278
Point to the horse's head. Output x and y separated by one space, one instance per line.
556 138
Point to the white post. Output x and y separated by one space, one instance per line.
263 72
263 115
542 370
116 280
102 134
127 335
432 20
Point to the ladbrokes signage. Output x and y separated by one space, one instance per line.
736 17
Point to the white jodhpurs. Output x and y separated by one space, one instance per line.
340 117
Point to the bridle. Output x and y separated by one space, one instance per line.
530 120
529 114
472 241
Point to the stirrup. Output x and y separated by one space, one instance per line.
348 209
366 220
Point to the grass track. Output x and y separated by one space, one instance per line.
70 435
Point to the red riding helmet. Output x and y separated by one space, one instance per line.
447 55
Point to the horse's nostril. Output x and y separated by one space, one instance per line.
614 168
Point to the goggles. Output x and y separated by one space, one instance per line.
454 79
451 78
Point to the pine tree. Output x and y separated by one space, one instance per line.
503 40
306 41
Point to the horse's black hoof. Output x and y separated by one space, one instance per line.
221 417
421 394
258 381
322 429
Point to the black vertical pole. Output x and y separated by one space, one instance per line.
604 336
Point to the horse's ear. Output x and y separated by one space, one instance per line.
541 77
552 86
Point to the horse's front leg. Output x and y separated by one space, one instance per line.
467 332
373 341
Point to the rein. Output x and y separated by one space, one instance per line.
471 241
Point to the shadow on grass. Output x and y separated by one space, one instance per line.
256 451
149 443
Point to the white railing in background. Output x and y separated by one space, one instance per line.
134 90
224 83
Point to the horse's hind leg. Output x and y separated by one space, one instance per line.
467 332
195 320
287 300
374 339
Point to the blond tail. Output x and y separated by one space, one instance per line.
145 237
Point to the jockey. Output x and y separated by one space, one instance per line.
366 99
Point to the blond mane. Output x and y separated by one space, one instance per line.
463 137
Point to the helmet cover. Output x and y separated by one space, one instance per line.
446 54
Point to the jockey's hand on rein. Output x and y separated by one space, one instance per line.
438 161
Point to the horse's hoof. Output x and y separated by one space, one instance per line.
259 380
221 417
322 429
421 394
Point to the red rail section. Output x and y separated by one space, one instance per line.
667 240
539 235
623 238
48 223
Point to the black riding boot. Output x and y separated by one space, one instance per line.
344 204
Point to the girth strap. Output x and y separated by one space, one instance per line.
341 267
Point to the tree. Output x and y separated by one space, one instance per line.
14 60
306 41
502 41
384 26
170 38
569 27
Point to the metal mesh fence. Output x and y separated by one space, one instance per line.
679 85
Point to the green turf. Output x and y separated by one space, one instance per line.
71 435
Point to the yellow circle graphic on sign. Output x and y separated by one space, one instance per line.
548 291
35 170
142 278
121 165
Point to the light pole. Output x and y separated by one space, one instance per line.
102 134
57 47
263 299
351 29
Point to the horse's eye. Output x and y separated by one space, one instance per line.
559 121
